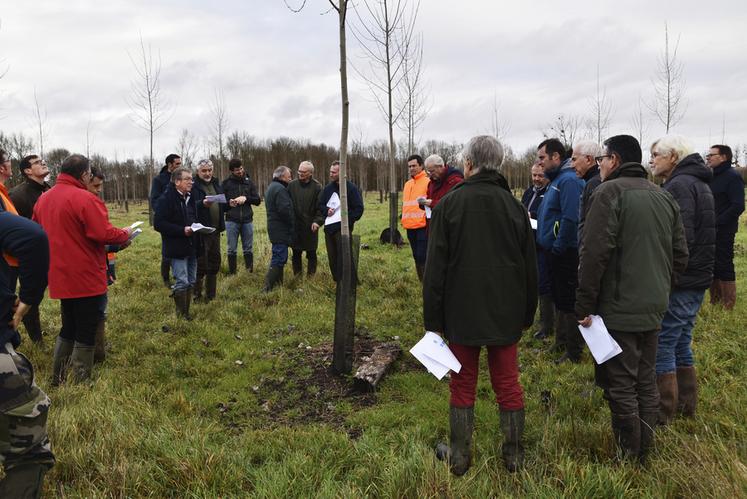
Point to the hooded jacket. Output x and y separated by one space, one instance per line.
557 219
688 185
633 244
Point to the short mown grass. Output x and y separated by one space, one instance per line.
171 413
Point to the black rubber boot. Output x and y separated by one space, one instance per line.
574 342
231 264
311 257
547 317
211 285
100 350
420 269
182 299
297 263
165 272
627 431
63 349
249 262
459 450
273 278
512 426
81 362
197 289
648 425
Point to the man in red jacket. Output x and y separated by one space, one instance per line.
443 178
78 227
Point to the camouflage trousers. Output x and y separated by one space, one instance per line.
25 450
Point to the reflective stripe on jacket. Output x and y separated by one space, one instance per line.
412 216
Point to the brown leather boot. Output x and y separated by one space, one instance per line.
729 294
667 384
687 385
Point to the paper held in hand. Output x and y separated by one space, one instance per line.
435 355
135 231
201 229
334 204
601 345
428 212
216 198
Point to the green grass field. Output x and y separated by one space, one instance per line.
171 413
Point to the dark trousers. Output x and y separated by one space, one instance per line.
418 243
563 278
629 378
723 269
80 316
334 253
297 261
208 261
543 273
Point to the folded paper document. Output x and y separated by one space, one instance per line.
216 198
435 355
201 229
334 203
601 345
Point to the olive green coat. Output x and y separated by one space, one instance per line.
306 208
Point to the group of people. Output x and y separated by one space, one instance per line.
593 236
296 211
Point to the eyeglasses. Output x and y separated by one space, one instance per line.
599 159
38 162
709 155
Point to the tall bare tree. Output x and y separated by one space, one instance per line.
565 128
149 108
499 126
601 110
639 122
384 31
187 147
219 127
40 123
413 97
668 104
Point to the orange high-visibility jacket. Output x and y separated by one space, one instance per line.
412 216
10 208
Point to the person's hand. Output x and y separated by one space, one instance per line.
241 200
330 212
585 322
187 231
314 227
428 202
232 203
19 310
207 203
128 230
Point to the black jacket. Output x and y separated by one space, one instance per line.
173 213
531 201
355 205
234 187
728 195
280 215
592 180
688 185
26 241
203 212
159 185
26 194
480 284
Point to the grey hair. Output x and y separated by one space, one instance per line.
673 144
484 152
279 171
434 159
588 148
177 173
204 162
307 163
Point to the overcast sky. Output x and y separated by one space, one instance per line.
279 70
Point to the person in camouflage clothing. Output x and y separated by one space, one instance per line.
25 450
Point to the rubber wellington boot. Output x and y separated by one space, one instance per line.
273 278
63 349
668 396
627 431
459 451
512 426
231 264
197 289
211 285
648 426
420 269
249 262
81 362
100 350
547 317
687 389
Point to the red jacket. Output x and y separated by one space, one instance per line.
77 224
437 190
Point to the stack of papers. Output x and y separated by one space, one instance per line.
201 229
435 355
601 345
334 204
135 230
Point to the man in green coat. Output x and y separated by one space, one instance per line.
305 191
633 244
480 289
280 220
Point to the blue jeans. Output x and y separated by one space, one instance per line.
279 255
233 229
676 333
185 272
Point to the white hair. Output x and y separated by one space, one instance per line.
484 152
588 148
677 145
435 160
279 172
308 164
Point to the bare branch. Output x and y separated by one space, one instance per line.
668 103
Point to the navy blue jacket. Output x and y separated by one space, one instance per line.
688 185
159 185
26 241
557 220
355 205
173 213
532 202
280 214
728 194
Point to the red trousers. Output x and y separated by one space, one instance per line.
504 376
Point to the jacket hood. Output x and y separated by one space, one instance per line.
628 170
695 166
552 174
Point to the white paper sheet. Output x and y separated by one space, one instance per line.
135 233
533 223
201 229
216 198
601 345
136 225
334 201
433 352
428 212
